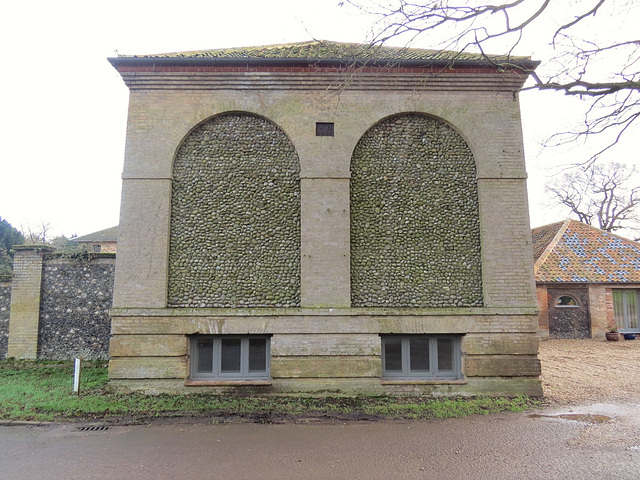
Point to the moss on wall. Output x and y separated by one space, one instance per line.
415 232
235 218
5 308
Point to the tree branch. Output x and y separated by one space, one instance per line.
577 20
578 67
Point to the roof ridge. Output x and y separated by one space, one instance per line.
551 245
95 236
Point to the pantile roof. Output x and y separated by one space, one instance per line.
573 252
542 237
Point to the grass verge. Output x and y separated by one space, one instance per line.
41 391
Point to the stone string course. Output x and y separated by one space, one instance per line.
5 304
74 309
235 218
415 233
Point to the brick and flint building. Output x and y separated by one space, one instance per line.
586 280
324 217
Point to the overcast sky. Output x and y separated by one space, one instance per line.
64 107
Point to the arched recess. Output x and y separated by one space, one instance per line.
415 227
235 216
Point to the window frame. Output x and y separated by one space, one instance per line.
216 373
434 373
624 328
560 305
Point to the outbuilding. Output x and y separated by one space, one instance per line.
586 280
324 217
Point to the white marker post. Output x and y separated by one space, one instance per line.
76 376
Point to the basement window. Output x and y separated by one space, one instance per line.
230 357
421 357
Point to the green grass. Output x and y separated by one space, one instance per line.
42 391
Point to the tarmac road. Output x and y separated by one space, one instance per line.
501 446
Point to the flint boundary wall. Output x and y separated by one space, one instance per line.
5 308
56 308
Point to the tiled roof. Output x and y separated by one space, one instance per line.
327 50
107 235
580 253
542 237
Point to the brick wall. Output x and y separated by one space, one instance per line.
25 302
543 314
599 300
506 243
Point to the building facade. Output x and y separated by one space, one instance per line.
324 217
586 280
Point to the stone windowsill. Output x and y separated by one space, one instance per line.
423 382
226 383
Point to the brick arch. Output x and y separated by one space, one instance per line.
235 216
415 229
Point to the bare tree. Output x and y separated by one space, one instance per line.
36 234
593 54
602 195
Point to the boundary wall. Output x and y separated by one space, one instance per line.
56 308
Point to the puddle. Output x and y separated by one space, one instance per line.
576 417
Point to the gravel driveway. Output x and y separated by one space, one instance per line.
576 372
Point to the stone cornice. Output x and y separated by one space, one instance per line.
332 81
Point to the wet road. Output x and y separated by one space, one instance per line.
504 446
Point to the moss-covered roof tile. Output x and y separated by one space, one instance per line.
325 50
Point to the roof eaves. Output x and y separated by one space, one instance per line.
525 64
